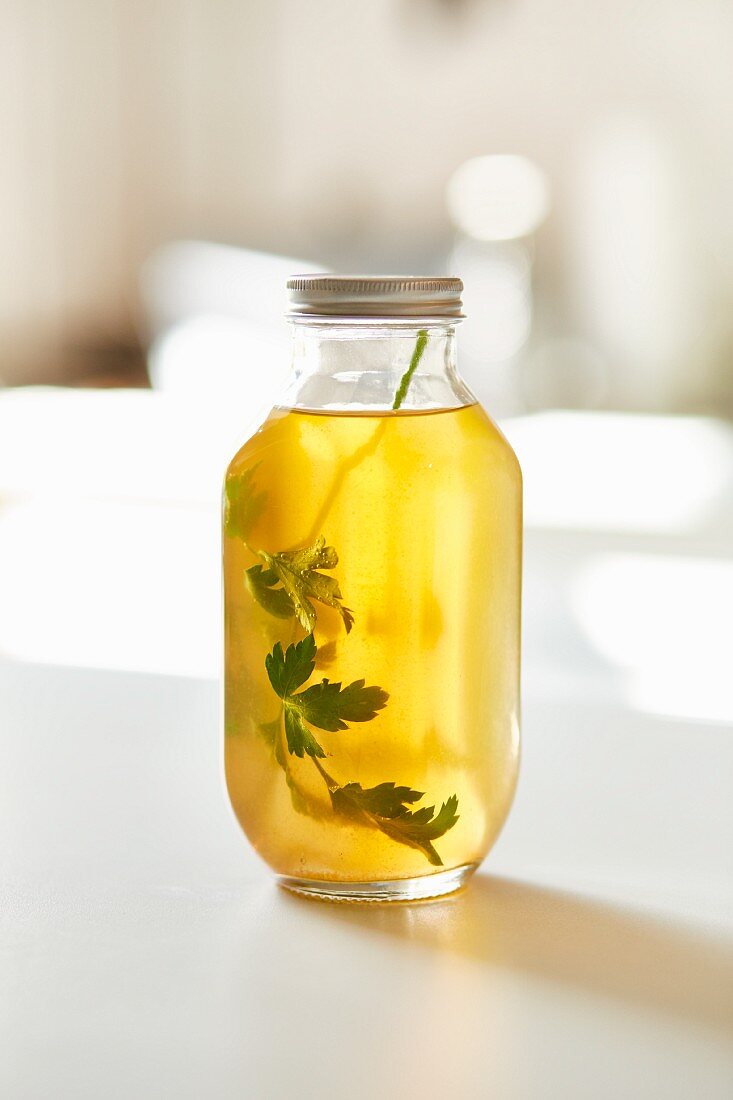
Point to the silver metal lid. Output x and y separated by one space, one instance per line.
385 296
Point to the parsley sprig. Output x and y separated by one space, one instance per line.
286 584
328 706
297 571
422 339
387 807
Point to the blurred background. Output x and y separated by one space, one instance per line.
597 250
168 163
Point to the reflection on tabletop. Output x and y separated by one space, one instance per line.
606 950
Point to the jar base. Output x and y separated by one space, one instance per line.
399 889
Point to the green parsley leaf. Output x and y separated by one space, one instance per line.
384 800
243 505
326 705
297 572
260 583
300 739
330 707
386 806
288 670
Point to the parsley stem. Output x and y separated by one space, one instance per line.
422 339
328 779
342 472
371 444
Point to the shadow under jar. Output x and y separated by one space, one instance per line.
372 572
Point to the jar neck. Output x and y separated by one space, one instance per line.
364 365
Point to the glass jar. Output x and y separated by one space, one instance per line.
372 570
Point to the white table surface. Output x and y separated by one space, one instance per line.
146 952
